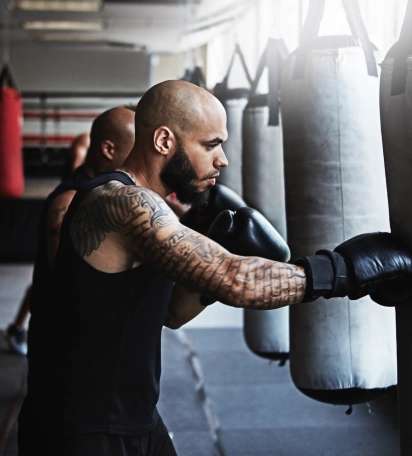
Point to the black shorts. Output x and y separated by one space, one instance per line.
157 442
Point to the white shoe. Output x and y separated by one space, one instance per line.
16 339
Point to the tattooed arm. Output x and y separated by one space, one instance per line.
151 230
55 214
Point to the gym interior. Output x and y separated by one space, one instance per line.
318 99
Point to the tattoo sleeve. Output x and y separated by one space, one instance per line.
185 256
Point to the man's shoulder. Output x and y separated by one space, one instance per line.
118 191
113 207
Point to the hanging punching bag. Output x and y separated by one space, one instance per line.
341 351
234 101
266 332
396 112
11 139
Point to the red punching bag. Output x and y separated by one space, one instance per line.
11 139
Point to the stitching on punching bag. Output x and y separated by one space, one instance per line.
339 146
342 204
350 342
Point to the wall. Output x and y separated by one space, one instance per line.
65 69
172 66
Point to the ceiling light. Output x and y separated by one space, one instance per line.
56 5
86 39
63 25
71 38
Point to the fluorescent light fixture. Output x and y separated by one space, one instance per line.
56 5
71 38
86 39
64 25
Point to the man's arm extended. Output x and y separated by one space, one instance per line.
55 214
186 257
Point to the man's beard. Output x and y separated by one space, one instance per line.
180 177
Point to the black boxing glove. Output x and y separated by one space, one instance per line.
378 264
221 198
247 232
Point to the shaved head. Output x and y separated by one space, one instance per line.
179 105
113 125
111 139
180 129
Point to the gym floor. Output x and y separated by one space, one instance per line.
217 398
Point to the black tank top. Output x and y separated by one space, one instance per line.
41 271
104 334
40 295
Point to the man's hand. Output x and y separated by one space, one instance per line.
247 232
378 264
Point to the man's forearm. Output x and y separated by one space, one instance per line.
256 283
184 306
238 281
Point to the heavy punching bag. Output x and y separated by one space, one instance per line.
11 139
341 351
234 100
396 115
266 332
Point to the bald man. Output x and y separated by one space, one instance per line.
125 266
111 139
112 135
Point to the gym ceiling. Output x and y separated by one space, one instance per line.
153 26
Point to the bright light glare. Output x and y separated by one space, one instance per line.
35 5
63 25
71 38
334 20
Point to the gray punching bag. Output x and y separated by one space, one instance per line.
396 115
341 351
234 101
266 332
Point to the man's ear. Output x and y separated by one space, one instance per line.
164 141
107 148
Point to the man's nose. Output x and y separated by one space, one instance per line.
221 160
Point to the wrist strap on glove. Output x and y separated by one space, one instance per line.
327 275
319 276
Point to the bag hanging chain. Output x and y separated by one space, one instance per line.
6 36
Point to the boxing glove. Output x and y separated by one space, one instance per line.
247 232
221 198
378 264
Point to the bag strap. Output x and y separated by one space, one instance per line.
259 71
238 52
402 49
198 77
311 28
272 57
187 75
6 78
309 32
276 54
358 30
